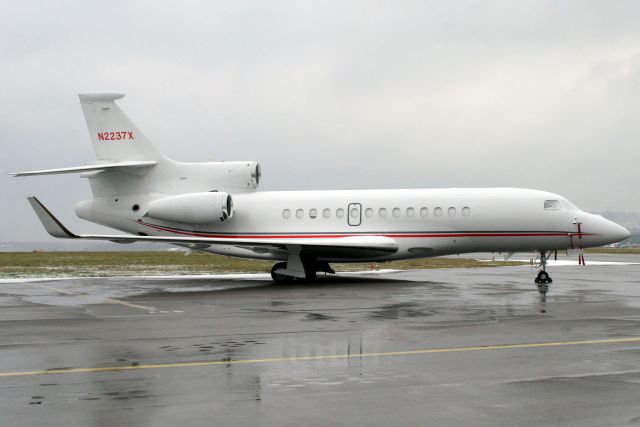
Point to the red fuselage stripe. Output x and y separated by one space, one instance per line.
332 236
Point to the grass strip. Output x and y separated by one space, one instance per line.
106 264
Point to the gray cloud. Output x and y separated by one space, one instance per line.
331 94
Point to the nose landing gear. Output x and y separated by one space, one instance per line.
543 280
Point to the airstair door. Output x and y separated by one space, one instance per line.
354 214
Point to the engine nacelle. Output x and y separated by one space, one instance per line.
193 208
229 176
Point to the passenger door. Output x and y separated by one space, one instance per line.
354 214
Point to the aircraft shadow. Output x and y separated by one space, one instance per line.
223 285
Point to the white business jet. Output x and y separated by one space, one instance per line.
215 207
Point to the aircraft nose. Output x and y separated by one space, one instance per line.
615 233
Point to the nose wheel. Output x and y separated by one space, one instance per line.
543 280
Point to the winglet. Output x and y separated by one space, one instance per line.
50 222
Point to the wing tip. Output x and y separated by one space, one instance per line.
50 223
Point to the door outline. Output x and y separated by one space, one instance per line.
354 222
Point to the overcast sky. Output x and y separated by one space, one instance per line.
346 94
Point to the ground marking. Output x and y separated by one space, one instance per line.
321 357
107 300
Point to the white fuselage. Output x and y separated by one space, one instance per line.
424 223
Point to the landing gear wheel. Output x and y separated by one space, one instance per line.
543 280
280 278
543 277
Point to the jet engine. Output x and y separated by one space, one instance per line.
226 176
193 208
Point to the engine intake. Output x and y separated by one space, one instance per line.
193 208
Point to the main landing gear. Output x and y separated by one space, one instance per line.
280 277
543 280
280 273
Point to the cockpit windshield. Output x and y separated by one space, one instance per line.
559 204
552 205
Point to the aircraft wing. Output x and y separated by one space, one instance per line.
351 247
90 168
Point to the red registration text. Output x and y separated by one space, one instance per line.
114 136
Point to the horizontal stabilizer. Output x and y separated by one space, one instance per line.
90 168
99 97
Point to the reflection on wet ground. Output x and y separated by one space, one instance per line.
343 351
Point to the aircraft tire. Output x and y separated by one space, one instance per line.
280 278
543 277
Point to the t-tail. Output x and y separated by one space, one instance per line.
127 162
131 179
117 142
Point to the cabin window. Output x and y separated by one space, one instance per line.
326 213
299 213
286 214
452 212
552 205
411 212
368 212
382 212
313 213
424 211
340 212
437 211
355 213
466 211
395 212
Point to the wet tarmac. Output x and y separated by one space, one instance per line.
438 347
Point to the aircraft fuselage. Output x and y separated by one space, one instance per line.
424 223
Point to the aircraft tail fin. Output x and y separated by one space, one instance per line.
114 136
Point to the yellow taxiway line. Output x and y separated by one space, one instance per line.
321 357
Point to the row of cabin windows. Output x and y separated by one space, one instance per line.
382 212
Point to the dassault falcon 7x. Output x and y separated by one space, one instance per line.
215 207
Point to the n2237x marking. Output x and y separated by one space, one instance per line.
115 136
